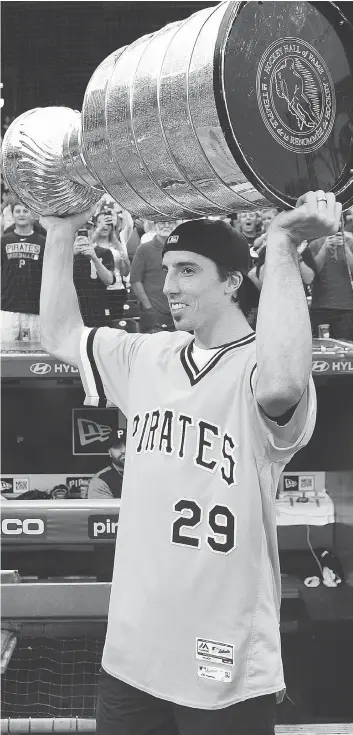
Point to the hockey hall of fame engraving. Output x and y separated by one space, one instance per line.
296 95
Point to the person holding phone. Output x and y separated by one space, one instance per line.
93 271
332 289
105 234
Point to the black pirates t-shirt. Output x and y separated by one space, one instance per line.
21 272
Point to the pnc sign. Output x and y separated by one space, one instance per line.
20 527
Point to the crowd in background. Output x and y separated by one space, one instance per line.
118 270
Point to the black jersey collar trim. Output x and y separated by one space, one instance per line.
194 373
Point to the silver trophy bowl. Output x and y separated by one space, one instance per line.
43 165
241 106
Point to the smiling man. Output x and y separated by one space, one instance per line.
198 258
193 641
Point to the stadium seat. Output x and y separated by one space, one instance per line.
130 325
131 309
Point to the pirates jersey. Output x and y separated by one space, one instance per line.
195 599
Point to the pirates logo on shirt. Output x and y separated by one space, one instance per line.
296 95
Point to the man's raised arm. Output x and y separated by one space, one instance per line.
283 332
60 317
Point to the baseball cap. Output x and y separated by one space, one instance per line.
220 242
116 438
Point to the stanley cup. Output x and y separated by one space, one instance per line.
241 105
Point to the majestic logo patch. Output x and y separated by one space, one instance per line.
214 651
296 95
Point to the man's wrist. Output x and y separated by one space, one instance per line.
64 229
283 237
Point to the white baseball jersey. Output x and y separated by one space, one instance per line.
195 599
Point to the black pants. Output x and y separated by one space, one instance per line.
115 302
125 710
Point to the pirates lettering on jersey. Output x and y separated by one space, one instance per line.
22 250
202 441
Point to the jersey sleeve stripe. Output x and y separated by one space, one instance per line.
251 378
91 379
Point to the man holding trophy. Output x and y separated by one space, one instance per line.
214 410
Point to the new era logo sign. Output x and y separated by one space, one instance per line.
89 431
290 482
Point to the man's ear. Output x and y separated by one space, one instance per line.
233 282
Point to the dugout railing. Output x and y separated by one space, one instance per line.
54 611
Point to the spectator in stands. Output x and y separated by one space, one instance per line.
147 280
32 495
108 226
22 253
247 225
306 266
93 272
59 492
135 238
149 231
37 227
107 483
332 290
5 124
228 219
7 200
267 215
